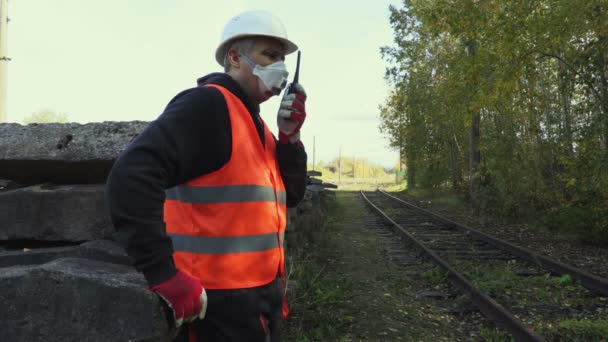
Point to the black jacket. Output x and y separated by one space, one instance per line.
192 137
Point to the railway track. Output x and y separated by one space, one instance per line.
521 291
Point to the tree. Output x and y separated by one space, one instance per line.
46 116
508 99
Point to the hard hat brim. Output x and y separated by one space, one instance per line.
220 52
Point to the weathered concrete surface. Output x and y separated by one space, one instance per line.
7 184
312 180
306 222
63 153
54 213
100 250
79 300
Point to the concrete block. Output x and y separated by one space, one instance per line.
79 300
54 213
100 250
63 153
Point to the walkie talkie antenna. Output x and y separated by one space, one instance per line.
296 77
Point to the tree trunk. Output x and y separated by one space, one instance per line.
474 154
411 177
454 165
410 166
564 96
603 73
474 158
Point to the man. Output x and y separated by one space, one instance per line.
199 198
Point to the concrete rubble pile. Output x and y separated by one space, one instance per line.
61 275
307 219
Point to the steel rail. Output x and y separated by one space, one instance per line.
488 306
588 280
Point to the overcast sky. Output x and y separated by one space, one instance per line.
117 60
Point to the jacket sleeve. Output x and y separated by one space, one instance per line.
191 137
292 163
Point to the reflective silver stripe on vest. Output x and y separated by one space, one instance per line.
227 244
282 197
224 194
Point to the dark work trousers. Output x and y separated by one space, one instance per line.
241 315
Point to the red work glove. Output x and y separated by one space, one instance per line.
292 114
185 296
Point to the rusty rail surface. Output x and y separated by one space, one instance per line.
489 307
588 280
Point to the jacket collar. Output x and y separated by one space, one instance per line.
224 80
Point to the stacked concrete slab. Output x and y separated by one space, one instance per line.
49 212
63 153
61 276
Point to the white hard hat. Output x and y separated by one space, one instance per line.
252 23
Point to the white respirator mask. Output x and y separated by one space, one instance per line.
273 76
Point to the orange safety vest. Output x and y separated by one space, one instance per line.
228 226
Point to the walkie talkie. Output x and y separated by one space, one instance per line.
296 77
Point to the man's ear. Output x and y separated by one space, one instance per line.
233 58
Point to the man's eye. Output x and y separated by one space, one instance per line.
272 55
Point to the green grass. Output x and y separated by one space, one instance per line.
347 290
492 334
398 187
356 184
316 306
496 280
525 292
319 292
393 212
435 275
578 330
346 183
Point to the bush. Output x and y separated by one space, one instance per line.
587 224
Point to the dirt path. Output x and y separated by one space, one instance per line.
349 289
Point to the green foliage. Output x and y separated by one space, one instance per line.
536 75
395 187
350 167
587 223
579 330
444 198
565 280
46 116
